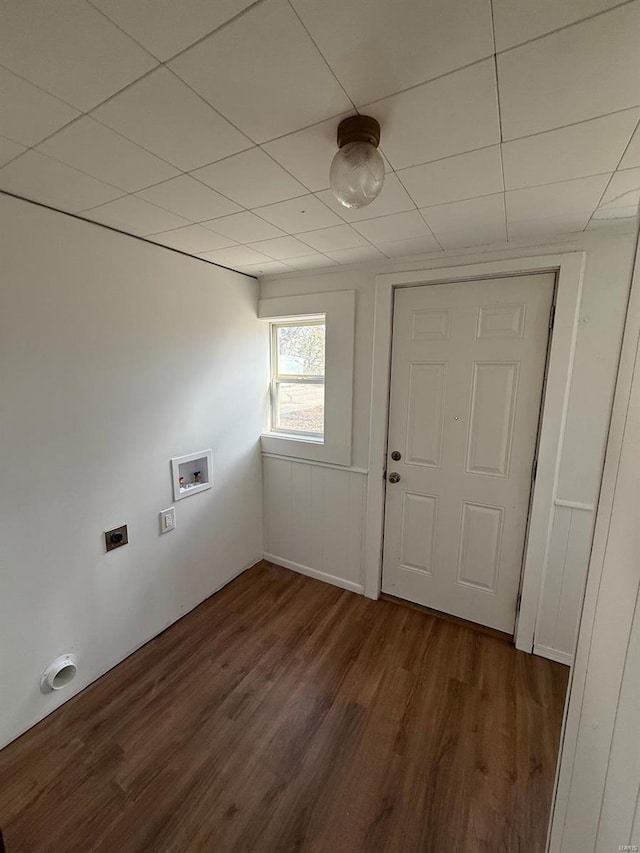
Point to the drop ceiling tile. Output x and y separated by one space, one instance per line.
572 75
267 268
399 226
456 178
27 113
447 116
356 256
620 201
308 153
632 154
9 150
69 49
334 239
393 199
189 198
296 215
474 222
550 226
377 48
413 246
42 179
517 21
252 179
192 239
263 72
577 151
281 248
164 116
566 197
244 227
135 216
97 150
312 262
168 27
236 256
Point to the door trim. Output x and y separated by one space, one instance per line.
569 270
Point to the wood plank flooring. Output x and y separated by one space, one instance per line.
283 715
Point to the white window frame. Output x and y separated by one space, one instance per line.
338 308
278 378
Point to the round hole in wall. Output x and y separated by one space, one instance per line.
64 676
59 673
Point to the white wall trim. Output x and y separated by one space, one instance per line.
315 573
339 307
553 654
569 268
587 729
317 464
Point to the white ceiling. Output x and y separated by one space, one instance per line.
209 127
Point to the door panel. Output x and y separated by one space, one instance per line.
494 389
466 385
418 531
425 418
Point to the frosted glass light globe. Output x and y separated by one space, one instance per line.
357 174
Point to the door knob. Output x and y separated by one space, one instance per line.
394 477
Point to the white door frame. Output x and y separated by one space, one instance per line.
569 268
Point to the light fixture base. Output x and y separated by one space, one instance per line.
358 129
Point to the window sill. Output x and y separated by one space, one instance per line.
293 436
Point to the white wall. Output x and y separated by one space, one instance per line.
115 355
603 307
597 804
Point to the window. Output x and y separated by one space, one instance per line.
297 377
310 385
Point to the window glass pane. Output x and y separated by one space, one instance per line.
300 350
300 407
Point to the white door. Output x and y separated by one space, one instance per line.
466 386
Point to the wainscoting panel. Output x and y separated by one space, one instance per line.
566 571
314 519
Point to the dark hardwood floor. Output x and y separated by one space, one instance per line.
287 715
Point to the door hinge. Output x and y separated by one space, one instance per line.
518 600
552 317
534 470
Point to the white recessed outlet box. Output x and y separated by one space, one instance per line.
167 520
192 474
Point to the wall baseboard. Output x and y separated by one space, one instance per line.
553 654
316 574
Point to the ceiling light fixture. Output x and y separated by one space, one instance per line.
357 170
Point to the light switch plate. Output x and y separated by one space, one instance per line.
167 520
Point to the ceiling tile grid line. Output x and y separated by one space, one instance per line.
324 59
616 171
70 51
41 88
495 65
201 37
114 23
564 26
262 84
